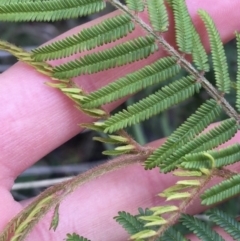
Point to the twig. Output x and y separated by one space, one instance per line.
55 194
212 91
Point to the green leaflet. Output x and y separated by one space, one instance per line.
226 189
238 71
75 237
93 127
202 230
183 26
120 150
151 74
135 5
55 218
105 32
119 55
111 139
218 55
199 54
49 10
129 222
186 32
172 234
226 222
223 157
132 224
194 125
152 105
158 15
230 132
209 140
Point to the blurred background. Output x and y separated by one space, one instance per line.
72 158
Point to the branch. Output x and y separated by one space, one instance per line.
212 91
23 223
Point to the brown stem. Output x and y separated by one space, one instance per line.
212 91
182 209
55 194
224 173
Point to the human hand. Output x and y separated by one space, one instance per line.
36 119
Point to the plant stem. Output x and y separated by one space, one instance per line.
212 91
182 209
55 194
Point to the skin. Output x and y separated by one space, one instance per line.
36 119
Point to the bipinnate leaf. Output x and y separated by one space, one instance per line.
129 222
194 125
105 32
135 5
202 230
183 26
225 189
206 141
172 234
218 55
152 105
199 54
226 222
119 55
151 74
158 16
223 157
53 10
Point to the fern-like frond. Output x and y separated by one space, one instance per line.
75 237
199 54
214 142
49 10
172 234
135 5
207 141
158 15
238 71
151 74
183 26
226 222
105 32
119 55
226 189
202 230
194 125
152 105
218 55
223 157
129 222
